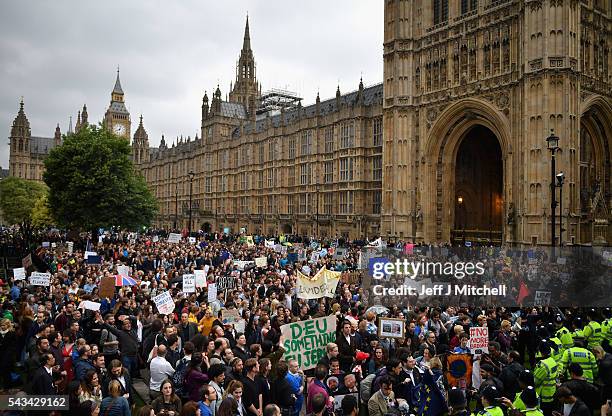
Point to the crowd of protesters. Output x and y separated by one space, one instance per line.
540 360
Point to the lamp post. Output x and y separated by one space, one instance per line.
560 180
175 204
191 175
460 212
552 143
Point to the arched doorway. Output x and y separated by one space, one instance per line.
206 227
478 213
287 229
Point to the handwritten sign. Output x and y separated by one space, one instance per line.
230 316
164 303
261 261
200 276
123 271
19 273
306 341
189 285
107 287
479 340
323 284
212 292
26 262
70 247
542 298
40 279
87 304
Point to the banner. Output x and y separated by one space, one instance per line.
164 303
244 265
226 283
459 372
542 298
87 304
200 276
479 340
189 285
230 316
40 279
261 262
212 292
323 284
19 273
107 287
174 238
26 262
306 341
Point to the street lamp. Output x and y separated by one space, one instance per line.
191 175
560 180
552 143
461 219
175 204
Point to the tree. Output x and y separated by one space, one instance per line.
17 200
41 213
92 183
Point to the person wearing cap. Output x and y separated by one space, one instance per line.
577 326
582 356
457 402
529 399
525 380
545 376
489 397
563 333
592 331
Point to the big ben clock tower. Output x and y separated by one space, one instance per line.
117 117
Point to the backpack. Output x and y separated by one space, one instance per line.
365 387
178 378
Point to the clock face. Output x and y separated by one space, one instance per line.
119 129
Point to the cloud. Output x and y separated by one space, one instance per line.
60 55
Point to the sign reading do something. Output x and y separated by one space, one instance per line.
305 341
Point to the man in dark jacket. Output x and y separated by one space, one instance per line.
347 346
128 341
581 388
567 398
83 364
510 374
186 330
42 383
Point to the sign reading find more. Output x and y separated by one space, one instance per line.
306 341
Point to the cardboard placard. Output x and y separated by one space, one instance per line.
261 262
19 273
230 316
306 341
200 277
479 340
107 287
174 238
212 292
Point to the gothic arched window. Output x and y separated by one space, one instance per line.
588 173
440 9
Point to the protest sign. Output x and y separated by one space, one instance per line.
301 255
155 238
164 303
314 257
40 279
87 304
200 276
19 273
107 287
261 262
226 283
306 341
459 372
90 253
174 238
340 253
189 285
123 271
240 326
94 260
323 284
26 262
230 316
278 248
542 298
338 401
479 340
46 244
244 265
192 240
70 247
269 243
212 292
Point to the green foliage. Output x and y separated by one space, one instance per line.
93 184
41 213
17 199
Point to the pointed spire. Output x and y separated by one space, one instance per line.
58 135
78 123
21 104
246 44
117 89
70 126
84 115
361 83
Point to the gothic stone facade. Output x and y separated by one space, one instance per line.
309 170
497 75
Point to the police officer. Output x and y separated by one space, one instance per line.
457 402
530 398
592 331
545 376
489 398
580 355
563 333
525 380
577 327
606 331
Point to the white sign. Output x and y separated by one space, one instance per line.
46 244
19 273
123 271
189 285
269 244
200 276
479 340
242 265
70 247
90 253
192 240
40 279
323 284
164 303
261 261
174 238
212 292
314 257
87 304
155 238
542 298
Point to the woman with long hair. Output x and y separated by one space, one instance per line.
8 346
377 360
263 380
168 401
234 390
115 404
90 388
195 377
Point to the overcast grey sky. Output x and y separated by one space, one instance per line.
62 54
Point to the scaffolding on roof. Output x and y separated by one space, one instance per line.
276 99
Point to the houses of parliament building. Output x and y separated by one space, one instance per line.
451 146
